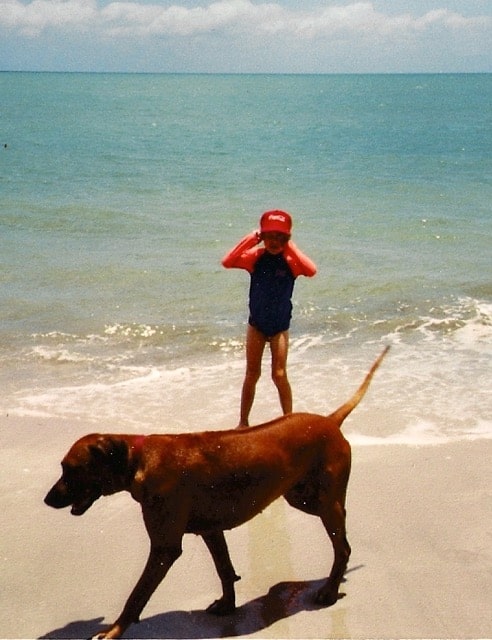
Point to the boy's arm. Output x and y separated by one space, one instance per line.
244 254
298 262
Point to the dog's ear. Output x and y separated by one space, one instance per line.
111 453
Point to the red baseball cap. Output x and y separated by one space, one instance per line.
276 220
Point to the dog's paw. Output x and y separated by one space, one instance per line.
326 598
221 608
113 632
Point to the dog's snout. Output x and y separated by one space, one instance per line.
57 497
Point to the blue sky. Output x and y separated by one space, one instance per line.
246 36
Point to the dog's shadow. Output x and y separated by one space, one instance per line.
283 600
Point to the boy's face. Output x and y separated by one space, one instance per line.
275 241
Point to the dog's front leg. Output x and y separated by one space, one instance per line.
160 561
217 546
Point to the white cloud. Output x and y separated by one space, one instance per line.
136 19
245 36
131 19
33 18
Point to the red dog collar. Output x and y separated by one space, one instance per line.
137 444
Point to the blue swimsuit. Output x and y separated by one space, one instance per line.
270 293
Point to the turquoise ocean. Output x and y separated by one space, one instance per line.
121 193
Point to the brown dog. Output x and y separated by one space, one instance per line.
204 483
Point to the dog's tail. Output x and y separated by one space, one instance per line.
342 412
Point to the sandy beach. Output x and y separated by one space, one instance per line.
419 522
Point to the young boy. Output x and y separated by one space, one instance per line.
273 268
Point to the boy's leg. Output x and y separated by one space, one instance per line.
279 346
255 345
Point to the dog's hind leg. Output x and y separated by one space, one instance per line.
332 514
217 546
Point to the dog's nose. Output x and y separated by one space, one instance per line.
49 499
56 498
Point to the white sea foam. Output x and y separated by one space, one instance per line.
59 355
416 397
476 333
133 330
425 433
433 387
